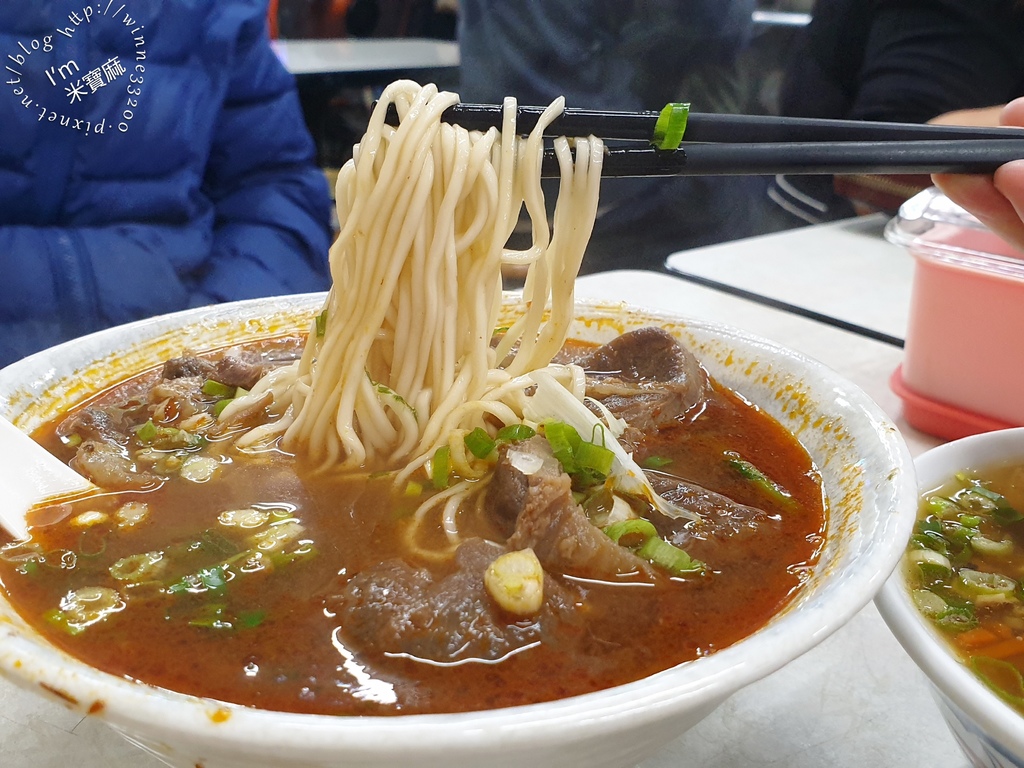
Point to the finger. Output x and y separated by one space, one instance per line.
980 196
1013 113
1009 181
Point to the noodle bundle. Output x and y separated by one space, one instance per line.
401 358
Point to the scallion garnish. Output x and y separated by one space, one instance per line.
631 533
480 443
515 433
671 125
670 557
768 486
440 467
321 324
213 388
564 440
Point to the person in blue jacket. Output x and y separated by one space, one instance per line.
153 157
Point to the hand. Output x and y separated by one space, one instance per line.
997 200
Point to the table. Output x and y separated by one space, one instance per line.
377 57
854 700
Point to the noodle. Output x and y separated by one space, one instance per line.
405 358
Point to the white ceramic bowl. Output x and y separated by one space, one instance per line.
989 732
868 476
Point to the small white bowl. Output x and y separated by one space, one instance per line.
867 474
989 732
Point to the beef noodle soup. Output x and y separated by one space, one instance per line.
412 508
251 577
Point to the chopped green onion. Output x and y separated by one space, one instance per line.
480 443
1002 510
1002 677
970 521
146 432
983 583
564 440
413 488
250 619
73 440
760 479
321 324
929 603
671 125
440 467
515 433
656 462
594 459
940 506
631 533
165 438
216 389
671 558
206 580
220 405
957 619
141 567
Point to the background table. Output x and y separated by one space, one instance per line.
375 59
856 699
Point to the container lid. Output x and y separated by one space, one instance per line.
934 227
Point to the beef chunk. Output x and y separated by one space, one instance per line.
530 490
520 467
723 523
647 378
108 425
181 397
187 367
109 467
238 371
395 608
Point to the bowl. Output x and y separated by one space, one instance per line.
989 731
864 463
967 293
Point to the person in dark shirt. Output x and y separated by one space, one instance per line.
896 60
622 55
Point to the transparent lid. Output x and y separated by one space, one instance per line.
934 227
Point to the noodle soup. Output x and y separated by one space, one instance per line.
964 566
251 578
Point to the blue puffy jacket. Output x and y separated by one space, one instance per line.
152 157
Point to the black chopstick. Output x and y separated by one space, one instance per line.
867 157
711 127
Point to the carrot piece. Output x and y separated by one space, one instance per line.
1004 648
975 638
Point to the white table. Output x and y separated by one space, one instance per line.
856 699
365 55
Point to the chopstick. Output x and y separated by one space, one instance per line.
802 158
712 127
728 145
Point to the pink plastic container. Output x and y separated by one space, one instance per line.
963 369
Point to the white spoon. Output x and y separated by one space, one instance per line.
30 475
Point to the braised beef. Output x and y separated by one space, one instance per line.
186 367
647 378
238 371
548 520
109 425
724 522
109 467
395 608
181 397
